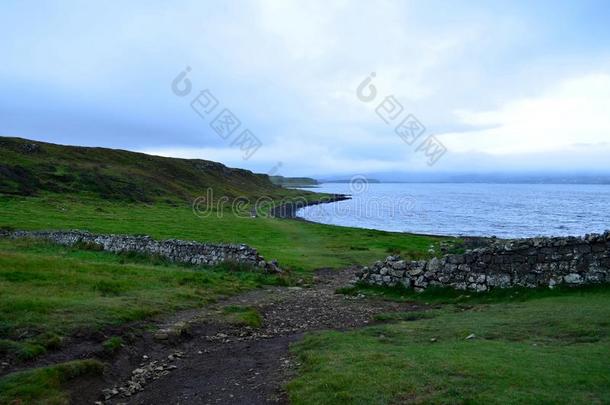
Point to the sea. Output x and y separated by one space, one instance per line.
467 209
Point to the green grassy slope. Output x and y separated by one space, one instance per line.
31 168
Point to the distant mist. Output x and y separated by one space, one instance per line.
501 178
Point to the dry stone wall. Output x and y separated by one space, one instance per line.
535 262
174 250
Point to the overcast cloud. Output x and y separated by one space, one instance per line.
504 86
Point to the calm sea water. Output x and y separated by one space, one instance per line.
503 210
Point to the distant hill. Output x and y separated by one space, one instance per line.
293 181
499 178
30 168
355 178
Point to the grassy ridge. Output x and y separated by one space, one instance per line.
36 168
547 349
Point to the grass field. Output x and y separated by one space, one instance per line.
298 245
48 292
529 347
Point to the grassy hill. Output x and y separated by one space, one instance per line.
30 168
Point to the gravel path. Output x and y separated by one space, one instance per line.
199 359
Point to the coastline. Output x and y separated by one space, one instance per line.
289 210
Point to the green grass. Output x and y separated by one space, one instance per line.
113 344
21 350
545 348
246 316
48 292
451 296
299 245
45 385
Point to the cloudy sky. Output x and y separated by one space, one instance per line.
502 86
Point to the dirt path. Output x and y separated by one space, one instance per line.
214 362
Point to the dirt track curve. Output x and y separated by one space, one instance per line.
214 362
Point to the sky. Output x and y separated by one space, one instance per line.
476 86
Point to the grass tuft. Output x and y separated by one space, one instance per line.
113 344
20 350
44 385
246 316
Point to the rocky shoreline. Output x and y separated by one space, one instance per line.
289 210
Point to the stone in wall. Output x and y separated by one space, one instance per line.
174 250
533 262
